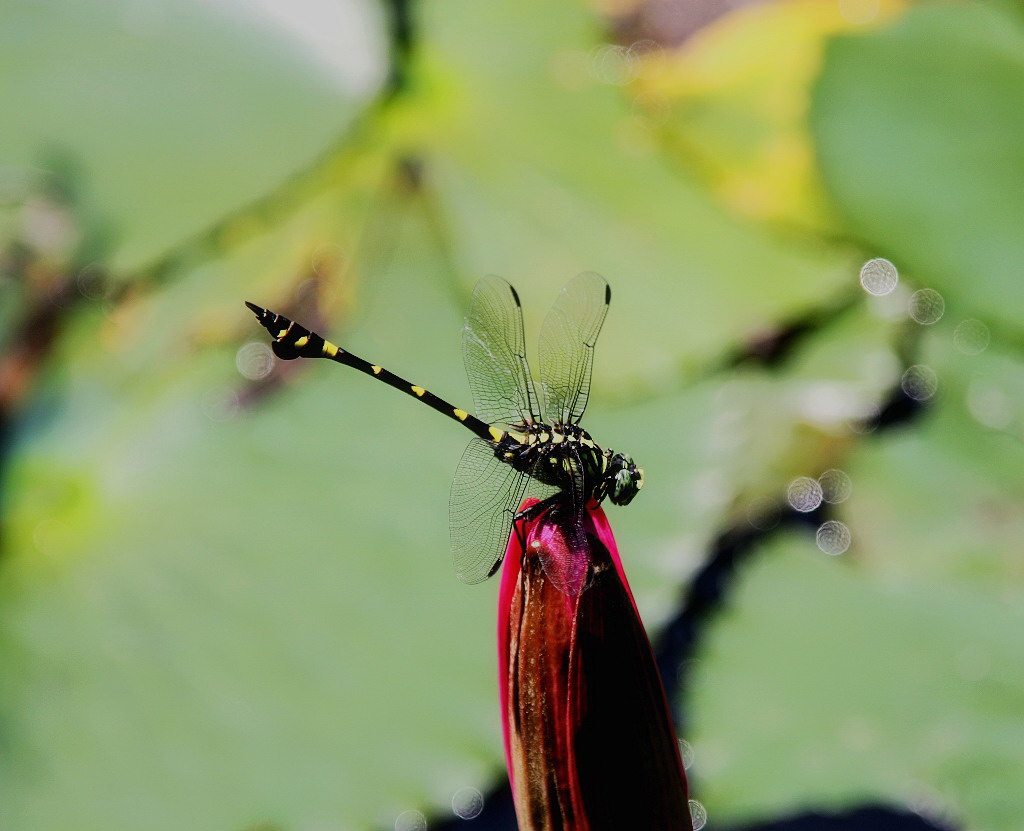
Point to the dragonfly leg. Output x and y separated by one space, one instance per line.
534 511
537 509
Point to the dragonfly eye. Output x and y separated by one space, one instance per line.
625 479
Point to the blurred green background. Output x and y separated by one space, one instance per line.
226 598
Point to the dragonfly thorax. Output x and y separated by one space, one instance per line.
557 454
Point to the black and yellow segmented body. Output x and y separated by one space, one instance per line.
520 447
535 448
291 340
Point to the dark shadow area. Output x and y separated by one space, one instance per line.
498 815
875 818
706 595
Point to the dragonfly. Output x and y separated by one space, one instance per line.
527 439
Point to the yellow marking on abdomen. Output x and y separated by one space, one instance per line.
301 342
330 350
461 415
418 390
280 334
377 370
496 434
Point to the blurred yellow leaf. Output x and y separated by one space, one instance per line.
734 101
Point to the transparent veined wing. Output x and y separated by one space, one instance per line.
567 341
494 350
484 499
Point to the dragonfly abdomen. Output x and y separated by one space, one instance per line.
292 340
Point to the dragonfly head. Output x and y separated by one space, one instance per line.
623 479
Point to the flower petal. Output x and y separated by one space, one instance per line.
589 740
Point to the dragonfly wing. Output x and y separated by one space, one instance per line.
494 350
567 341
484 499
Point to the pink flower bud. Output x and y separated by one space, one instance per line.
589 739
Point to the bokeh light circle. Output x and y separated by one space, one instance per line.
698 814
411 821
255 361
686 753
919 382
804 494
971 337
926 306
833 537
879 277
836 486
467 803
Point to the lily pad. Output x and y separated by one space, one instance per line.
169 115
540 171
231 609
819 688
919 133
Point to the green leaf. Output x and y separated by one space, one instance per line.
712 452
919 134
221 622
264 607
169 115
942 504
890 673
542 171
819 688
